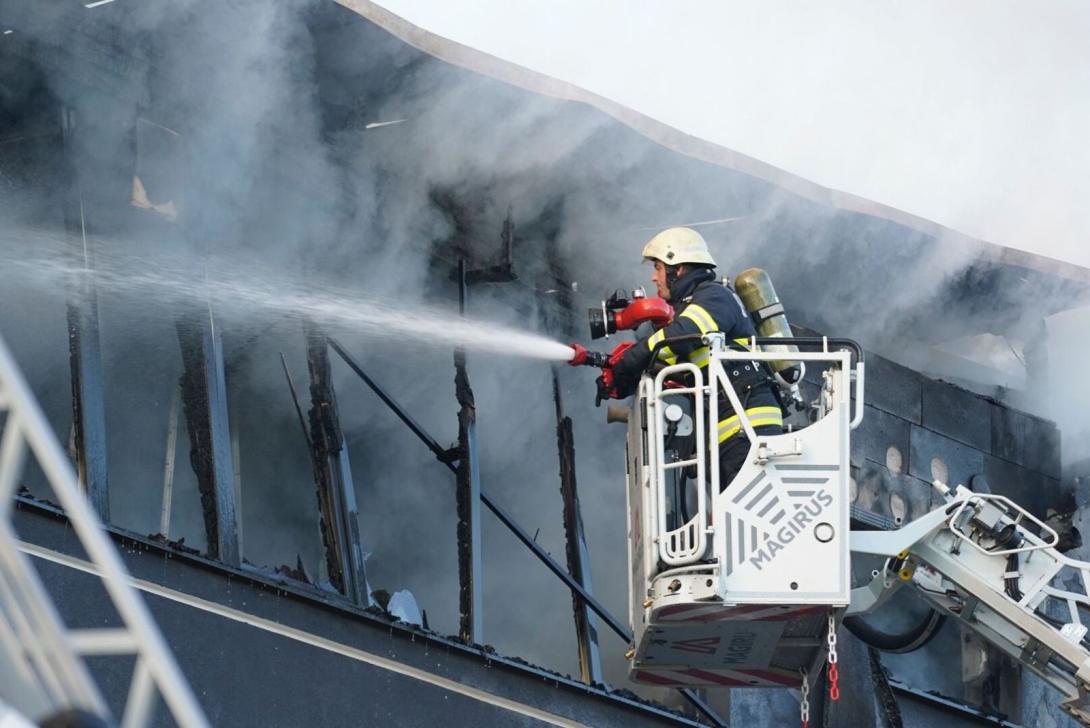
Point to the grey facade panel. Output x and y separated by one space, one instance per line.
958 414
880 431
894 388
1008 434
1042 447
1025 440
892 495
961 461
1030 489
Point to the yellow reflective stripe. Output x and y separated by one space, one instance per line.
703 320
758 416
742 341
724 436
700 317
754 412
665 353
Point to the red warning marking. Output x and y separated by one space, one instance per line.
702 645
646 676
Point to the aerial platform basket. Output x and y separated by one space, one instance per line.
739 590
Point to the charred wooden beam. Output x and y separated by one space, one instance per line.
204 401
467 495
85 357
586 630
333 477
578 557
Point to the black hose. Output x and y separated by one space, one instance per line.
1010 583
913 639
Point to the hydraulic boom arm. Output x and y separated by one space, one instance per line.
988 562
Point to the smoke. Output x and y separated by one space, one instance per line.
263 126
1068 402
959 130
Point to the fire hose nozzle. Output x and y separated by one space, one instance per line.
585 357
619 312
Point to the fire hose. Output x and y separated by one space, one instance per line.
897 642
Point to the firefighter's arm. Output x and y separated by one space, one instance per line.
626 373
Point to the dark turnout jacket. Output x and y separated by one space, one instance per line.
704 305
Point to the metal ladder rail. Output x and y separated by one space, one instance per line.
1019 632
687 543
961 577
1035 580
52 652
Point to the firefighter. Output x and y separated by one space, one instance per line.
684 275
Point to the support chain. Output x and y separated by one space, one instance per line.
804 700
834 673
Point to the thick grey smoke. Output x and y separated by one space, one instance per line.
957 128
265 126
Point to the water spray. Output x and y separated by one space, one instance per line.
378 317
375 317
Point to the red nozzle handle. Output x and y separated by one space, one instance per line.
585 357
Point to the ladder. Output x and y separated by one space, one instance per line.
42 670
988 562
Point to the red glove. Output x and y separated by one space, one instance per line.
607 386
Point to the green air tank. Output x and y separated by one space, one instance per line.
755 289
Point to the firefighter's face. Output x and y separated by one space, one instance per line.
658 277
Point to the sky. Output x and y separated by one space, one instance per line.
973 114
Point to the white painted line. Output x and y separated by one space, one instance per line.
377 124
307 638
8 32
96 4
698 223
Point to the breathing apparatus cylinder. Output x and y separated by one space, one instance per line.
755 289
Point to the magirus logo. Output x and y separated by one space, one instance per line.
779 540
772 509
